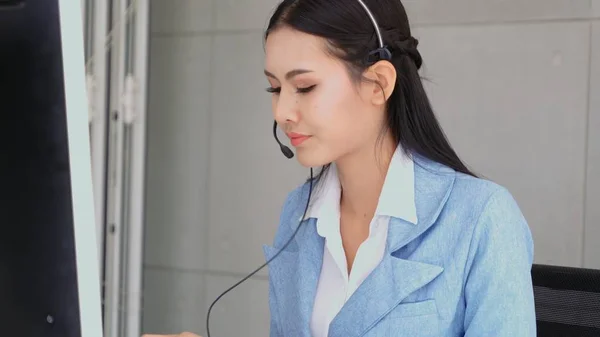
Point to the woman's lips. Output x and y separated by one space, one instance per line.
297 139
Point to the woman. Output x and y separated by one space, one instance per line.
398 237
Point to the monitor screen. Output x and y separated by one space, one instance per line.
45 240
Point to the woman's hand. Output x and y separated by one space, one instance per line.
183 334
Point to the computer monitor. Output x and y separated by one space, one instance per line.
567 301
49 269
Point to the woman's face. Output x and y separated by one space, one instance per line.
326 114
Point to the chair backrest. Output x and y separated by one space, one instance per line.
567 301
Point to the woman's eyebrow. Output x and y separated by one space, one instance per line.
290 74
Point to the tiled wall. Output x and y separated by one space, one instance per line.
515 83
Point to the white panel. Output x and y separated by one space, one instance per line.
178 135
243 311
469 11
181 16
173 301
98 124
513 102
136 197
116 238
596 8
592 230
244 14
88 278
249 176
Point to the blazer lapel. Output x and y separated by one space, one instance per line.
433 185
395 278
294 276
392 281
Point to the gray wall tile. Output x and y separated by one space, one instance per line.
592 230
178 138
513 103
177 16
173 302
249 176
471 11
247 14
243 14
242 312
596 8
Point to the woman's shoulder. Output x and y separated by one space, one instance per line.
466 194
465 190
482 195
493 211
291 212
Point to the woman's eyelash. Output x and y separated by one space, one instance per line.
305 90
298 90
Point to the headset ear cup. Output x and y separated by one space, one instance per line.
385 54
378 54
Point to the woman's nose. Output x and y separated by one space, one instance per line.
285 109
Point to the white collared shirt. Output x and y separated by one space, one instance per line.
335 286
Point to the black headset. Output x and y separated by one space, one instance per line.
381 53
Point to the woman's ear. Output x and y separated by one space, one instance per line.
383 74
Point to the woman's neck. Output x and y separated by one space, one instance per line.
362 175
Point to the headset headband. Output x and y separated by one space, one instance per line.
381 53
375 24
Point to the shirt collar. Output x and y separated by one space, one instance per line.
397 197
326 204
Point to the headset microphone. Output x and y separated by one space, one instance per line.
284 149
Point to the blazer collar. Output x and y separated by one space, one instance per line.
294 274
433 184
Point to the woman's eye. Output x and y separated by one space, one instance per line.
305 90
273 90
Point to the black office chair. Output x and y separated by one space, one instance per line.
567 301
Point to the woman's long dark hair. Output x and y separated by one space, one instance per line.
350 34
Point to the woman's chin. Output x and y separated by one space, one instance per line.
310 159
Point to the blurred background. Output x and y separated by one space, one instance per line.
189 182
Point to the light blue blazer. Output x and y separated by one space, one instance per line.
463 270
